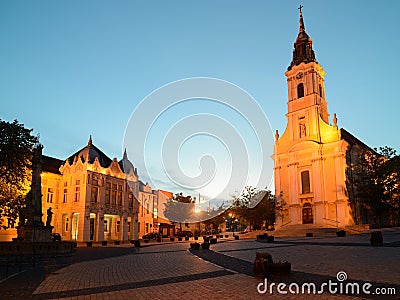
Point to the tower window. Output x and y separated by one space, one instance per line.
320 90
305 182
300 90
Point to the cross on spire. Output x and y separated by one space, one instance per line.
300 7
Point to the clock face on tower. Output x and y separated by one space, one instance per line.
299 75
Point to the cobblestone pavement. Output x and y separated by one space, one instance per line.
170 271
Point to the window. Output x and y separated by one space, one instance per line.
50 194
320 90
120 198
65 198
114 194
130 200
300 90
77 182
108 192
77 190
117 226
114 197
105 225
66 223
95 182
94 194
305 182
65 184
107 196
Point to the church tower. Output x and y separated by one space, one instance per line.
310 156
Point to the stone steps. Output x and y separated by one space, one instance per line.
302 229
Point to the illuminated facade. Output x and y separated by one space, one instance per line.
311 156
93 198
90 196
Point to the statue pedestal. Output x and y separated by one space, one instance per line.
30 233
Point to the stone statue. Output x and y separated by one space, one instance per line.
49 216
302 130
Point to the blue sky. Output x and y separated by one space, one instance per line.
71 68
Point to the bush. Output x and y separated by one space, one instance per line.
341 233
376 238
195 246
205 246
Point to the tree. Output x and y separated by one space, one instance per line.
264 211
214 217
179 209
375 179
16 150
255 207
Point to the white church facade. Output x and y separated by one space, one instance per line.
311 156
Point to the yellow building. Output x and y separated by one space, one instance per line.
90 196
147 209
95 198
311 156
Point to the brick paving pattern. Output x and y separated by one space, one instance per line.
170 271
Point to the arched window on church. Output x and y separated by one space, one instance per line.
305 182
320 90
300 90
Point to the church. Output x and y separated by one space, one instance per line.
312 155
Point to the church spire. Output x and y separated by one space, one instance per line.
302 28
303 51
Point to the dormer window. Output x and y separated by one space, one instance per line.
300 90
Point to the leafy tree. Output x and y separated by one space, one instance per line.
375 177
264 211
254 207
179 209
214 218
16 150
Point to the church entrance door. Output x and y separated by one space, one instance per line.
307 214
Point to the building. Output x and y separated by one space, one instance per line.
147 209
91 196
165 226
94 198
311 156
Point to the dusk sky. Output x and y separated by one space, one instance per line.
69 69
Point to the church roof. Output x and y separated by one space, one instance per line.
303 51
352 140
91 151
51 164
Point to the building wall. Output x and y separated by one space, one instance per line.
147 210
310 145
